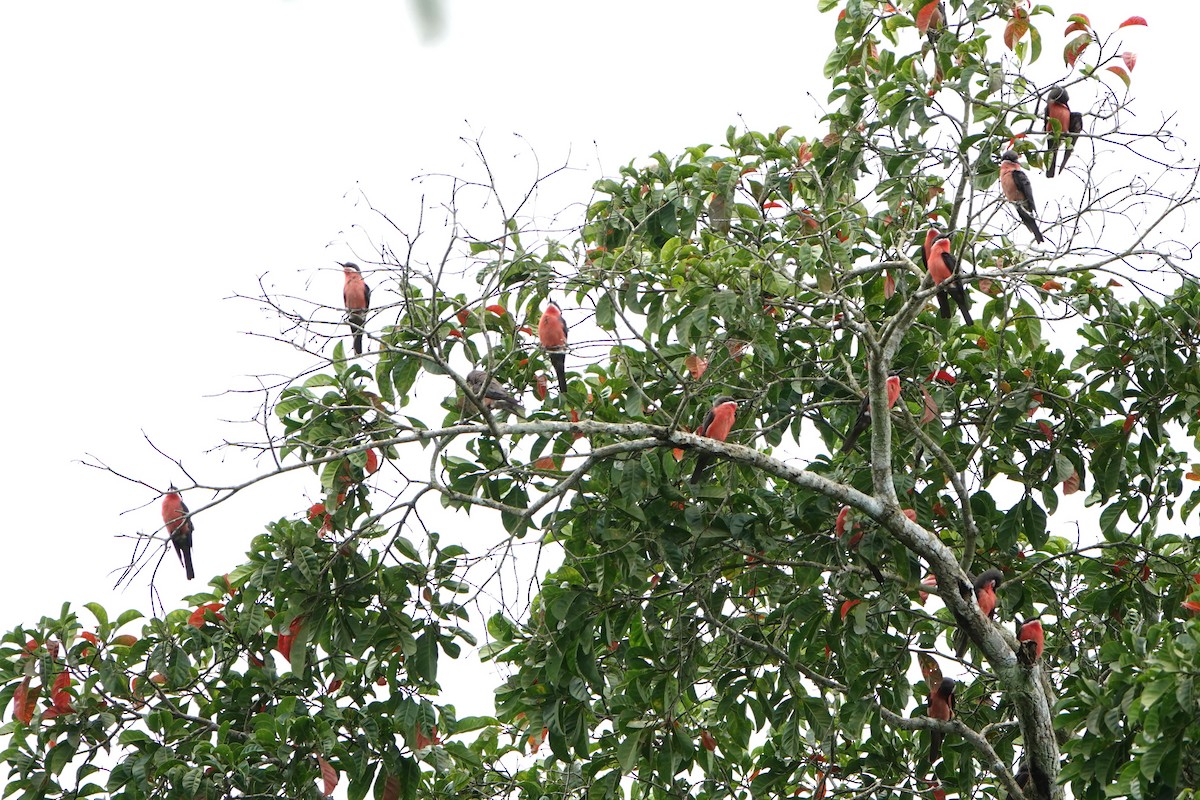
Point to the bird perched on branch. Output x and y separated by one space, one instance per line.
494 397
1014 183
1063 125
716 425
943 268
985 596
863 420
1032 640
552 333
941 706
357 297
179 527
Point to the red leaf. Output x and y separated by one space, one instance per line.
1073 27
931 408
1016 28
545 462
541 389
1130 60
982 343
772 204
1071 484
1075 48
1047 429
1128 424
391 788
372 462
1051 284
928 580
707 741
846 606
1114 282
329 777
1192 476
333 686
24 701
942 375
498 310
1120 73
197 617
889 286
59 694
91 637
695 365
839 527
925 16
930 670
1190 605
1134 21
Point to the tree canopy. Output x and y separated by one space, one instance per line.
778 623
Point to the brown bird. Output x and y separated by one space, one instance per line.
495 396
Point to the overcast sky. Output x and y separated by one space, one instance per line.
160 157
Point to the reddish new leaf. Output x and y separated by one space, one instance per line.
1016 28
1130 60
1120 73
498 310
1075 48
942 375
24 701
1047 429
1071 484
695 365
545 462
931 408
929 580
1191 605
391 788
1134 21
846 606
930 669
839 526
889 285
372 462
707 741
329 777
926 15
541 389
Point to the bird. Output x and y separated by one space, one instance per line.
985 596
931 236
716 425
552 333
1032 640
943 267
179 527
357 297
1062 125
495 396
1015 185
941 706
863 420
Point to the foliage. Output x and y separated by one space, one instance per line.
753 633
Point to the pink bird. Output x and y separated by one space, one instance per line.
357 297
943 267
717 424
863 420
179 527
552 333
1015 185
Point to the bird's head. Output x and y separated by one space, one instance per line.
1010 155
1056 94
348 266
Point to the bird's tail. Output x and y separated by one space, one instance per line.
935 746
559 360
1031 224
185 555
703 462
356 325
1052 156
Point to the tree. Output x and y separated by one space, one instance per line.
756 631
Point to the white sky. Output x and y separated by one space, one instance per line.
159 157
